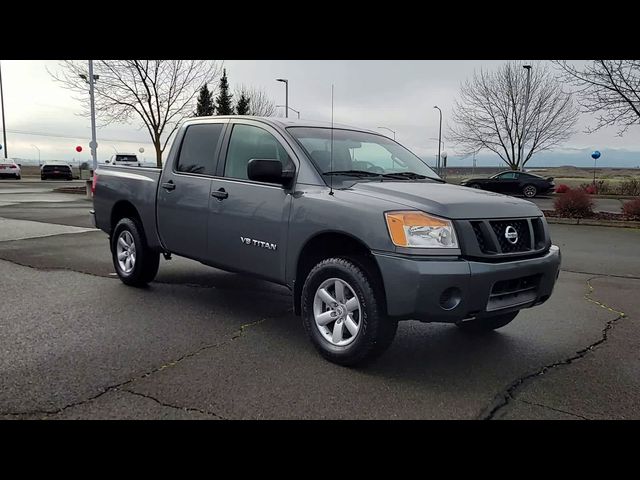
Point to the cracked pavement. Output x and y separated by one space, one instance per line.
204 344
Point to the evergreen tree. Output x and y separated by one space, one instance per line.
205 105
224 104
242 108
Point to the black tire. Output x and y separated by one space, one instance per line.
42 177
529 191
376 331
147 261
487 324
18 177
474 185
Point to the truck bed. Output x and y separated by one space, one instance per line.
126 187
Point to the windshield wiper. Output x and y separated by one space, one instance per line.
353 173
411 176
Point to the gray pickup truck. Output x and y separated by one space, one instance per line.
360 229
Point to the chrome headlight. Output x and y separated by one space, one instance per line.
419 230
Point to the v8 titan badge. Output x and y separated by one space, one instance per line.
258 243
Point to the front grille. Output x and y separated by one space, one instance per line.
497 240
517 291
522 241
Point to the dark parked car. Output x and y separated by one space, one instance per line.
512 182
56 170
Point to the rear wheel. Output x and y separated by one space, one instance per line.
473 185
486 324
342 313
529 191
135 263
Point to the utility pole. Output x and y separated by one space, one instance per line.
439 138
524 121
4 125
94 143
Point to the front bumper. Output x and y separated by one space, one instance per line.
421 289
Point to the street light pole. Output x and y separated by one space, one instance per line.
524 121
439 138
94 143
392 131
4 125
38 152
286 95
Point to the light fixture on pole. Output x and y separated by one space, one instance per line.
439 138
524 121
38 152
286 95
289 108
4 125
392 131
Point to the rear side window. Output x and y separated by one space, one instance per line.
198 150
249 142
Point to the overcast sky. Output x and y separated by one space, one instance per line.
399 95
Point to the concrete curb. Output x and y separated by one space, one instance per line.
595 223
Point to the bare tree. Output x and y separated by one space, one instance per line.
610 89
159 93
260 104
500 111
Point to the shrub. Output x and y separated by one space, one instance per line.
632 209
562 188
574 204
589 188
630 186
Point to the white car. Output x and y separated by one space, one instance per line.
9 168
124 159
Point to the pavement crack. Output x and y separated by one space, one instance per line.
559 410
240 332
169 405
505 397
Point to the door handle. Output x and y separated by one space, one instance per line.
220 194
169 185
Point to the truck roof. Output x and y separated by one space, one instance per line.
283 122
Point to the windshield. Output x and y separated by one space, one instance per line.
360 155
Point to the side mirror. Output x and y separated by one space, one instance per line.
269 171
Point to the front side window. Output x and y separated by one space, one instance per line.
508 176
361 154
248 142
198 150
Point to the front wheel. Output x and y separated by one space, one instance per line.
343 313
474 185
135 263
530 191
479 325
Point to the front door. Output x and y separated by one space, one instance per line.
507 182
184 191
249 221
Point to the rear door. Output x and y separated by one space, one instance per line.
184 190
249 221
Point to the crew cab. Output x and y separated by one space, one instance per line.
360 229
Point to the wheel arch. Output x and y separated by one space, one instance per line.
333 243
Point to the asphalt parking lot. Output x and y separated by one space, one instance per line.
200 343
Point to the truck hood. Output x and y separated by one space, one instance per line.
448 201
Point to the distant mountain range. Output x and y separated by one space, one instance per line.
579 158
